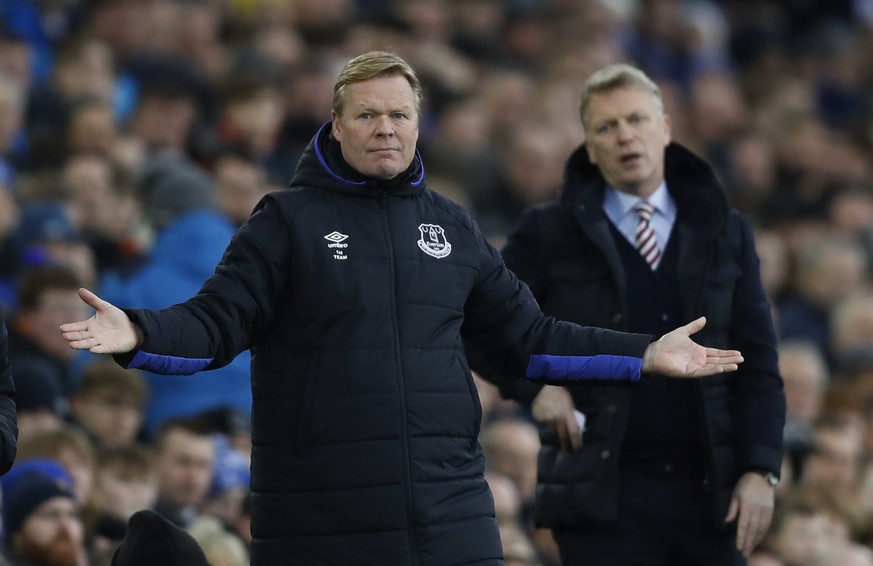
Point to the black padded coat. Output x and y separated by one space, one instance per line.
351 294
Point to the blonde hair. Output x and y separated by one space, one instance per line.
369 66
617 76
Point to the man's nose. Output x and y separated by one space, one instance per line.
384 126
625 132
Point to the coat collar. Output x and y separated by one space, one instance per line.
699 197
323 166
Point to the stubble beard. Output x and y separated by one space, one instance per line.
62 551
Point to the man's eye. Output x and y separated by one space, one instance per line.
365 116
603 129
399 116
636 119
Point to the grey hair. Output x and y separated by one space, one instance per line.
617 76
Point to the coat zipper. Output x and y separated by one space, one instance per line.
404 438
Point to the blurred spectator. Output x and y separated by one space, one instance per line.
110 403
125 482
533 162
181 202
47 296
507 501
233 425
42 522
798 533
169 105
12 105
517 548
104 209
252 111
185 456
16 55
83 72
44 232
805 377
775 264
230 482
751 171
835 459
511 446
240 184
39 397
242 526
69 446
221 547
828 270
851 325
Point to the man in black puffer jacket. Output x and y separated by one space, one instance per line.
352 291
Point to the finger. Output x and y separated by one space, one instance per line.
742 532
763 525
85 344
736 360
751 535
714 369
76 335
74 326
573 433
92 300
695 326
717 353
732 510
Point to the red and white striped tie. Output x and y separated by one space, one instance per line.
646 242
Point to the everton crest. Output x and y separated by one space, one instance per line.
433 241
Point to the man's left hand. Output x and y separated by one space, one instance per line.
675 354
752 508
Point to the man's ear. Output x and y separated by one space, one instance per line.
335 128
668 129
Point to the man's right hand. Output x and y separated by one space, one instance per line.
109 331
553 408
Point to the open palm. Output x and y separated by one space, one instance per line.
109 331
675 354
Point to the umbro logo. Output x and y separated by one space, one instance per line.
337 245
335 237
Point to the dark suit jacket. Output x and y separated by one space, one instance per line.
565 251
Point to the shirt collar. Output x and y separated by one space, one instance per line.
624 203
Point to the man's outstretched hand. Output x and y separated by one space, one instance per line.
109 331
675 354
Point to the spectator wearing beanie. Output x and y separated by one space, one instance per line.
42 521
152 539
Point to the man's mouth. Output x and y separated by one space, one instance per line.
629 158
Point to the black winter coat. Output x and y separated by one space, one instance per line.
565 251
352 294
8 418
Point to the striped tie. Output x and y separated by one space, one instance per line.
646 242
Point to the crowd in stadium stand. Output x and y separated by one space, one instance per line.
136 135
